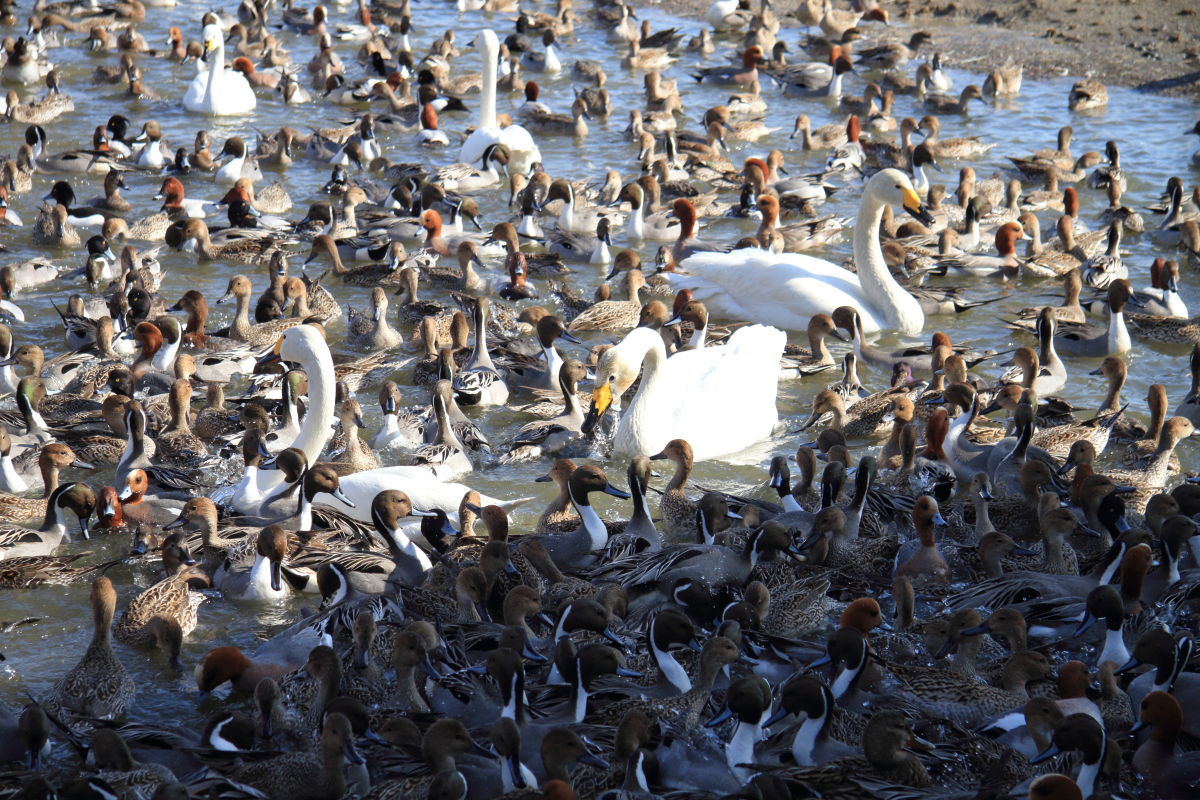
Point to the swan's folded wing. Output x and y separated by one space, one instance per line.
784 290
729 403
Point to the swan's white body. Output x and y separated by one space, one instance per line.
518 140
787 289
420 484
216 91
720 399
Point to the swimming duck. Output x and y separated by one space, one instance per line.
53 457
479 382
98 686
241 329
74 497
372 330
1112 340
168 601
1087 95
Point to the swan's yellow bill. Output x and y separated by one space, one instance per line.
912 200
601 399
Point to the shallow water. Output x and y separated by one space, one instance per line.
1148 128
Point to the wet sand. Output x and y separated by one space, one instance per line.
1147 44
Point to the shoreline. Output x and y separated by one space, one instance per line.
1151 45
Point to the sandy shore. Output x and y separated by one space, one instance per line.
1148 44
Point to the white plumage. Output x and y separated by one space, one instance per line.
720 399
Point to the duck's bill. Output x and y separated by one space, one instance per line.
593 760
271 356
340 495
1047 754
912 204
351 753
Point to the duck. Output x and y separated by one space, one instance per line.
248 246
77 498
169 601
98 686
615 315
1006 264
262 578
372 330
1169 773
1111 340
734 284
216 92
742 374
1087 95
53 457
657 227
176 204
241 329
1163 298
313 775
479 382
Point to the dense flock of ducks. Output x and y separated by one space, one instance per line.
958 586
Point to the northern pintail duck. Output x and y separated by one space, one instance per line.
98 686
479 382
74 497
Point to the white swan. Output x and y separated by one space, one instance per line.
420 484
787 289
518 140
216 91
304 345
720 399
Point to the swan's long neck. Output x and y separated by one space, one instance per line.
487 104
899 308
635 422
316 430
215 70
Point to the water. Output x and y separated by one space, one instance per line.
1149 130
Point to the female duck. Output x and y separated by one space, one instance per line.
216 91
98 686
679 397
372 329
613 314
788 289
